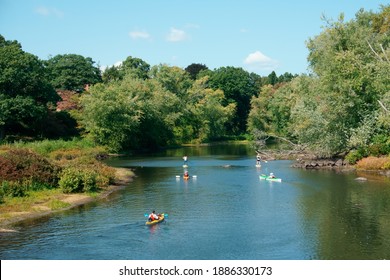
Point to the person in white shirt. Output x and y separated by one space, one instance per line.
153 216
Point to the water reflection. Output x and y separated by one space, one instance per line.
350 216
226 213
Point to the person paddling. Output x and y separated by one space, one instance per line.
186 176
153 216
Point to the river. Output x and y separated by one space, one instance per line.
224 213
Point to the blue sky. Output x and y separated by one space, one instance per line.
259 36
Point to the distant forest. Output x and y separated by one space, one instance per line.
341 107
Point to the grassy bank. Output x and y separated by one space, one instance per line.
39 178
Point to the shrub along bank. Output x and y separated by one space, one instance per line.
41 173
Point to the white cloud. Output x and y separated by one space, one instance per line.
116 64
47 11
139 35
176 35
259 61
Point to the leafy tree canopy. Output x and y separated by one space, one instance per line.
24 91
130 66
72 72
194 69
238 87
343 105
172 78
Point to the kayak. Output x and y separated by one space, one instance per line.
186 178
265 177
185 165
155 221
258 165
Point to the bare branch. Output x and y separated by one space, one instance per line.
384 53
286 140
383 106
374 51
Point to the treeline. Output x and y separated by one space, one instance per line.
341 107
129 106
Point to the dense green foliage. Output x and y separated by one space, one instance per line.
135 67
341 107
164 110
24 91
74 180
72 72
238 87
195 68
135 106
344 105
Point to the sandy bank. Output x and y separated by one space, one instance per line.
123 178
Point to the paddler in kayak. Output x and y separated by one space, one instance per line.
153 216
186 176
271 175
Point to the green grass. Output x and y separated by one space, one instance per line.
56 204
45 147
26 203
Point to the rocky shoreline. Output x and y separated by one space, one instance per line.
337 163
310 161
321 163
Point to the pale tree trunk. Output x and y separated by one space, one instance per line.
381 59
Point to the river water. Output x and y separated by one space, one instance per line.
225 213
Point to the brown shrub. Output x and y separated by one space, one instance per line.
22 164
374 163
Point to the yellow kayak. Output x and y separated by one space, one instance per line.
161 218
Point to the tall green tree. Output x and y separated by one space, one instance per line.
24 91
209 115
194 69
134 66
272 78
343 104
348 58
111 116
72 72
172 78
131 113
238 87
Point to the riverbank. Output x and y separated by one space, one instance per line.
56 201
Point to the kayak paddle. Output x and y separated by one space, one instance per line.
165 215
